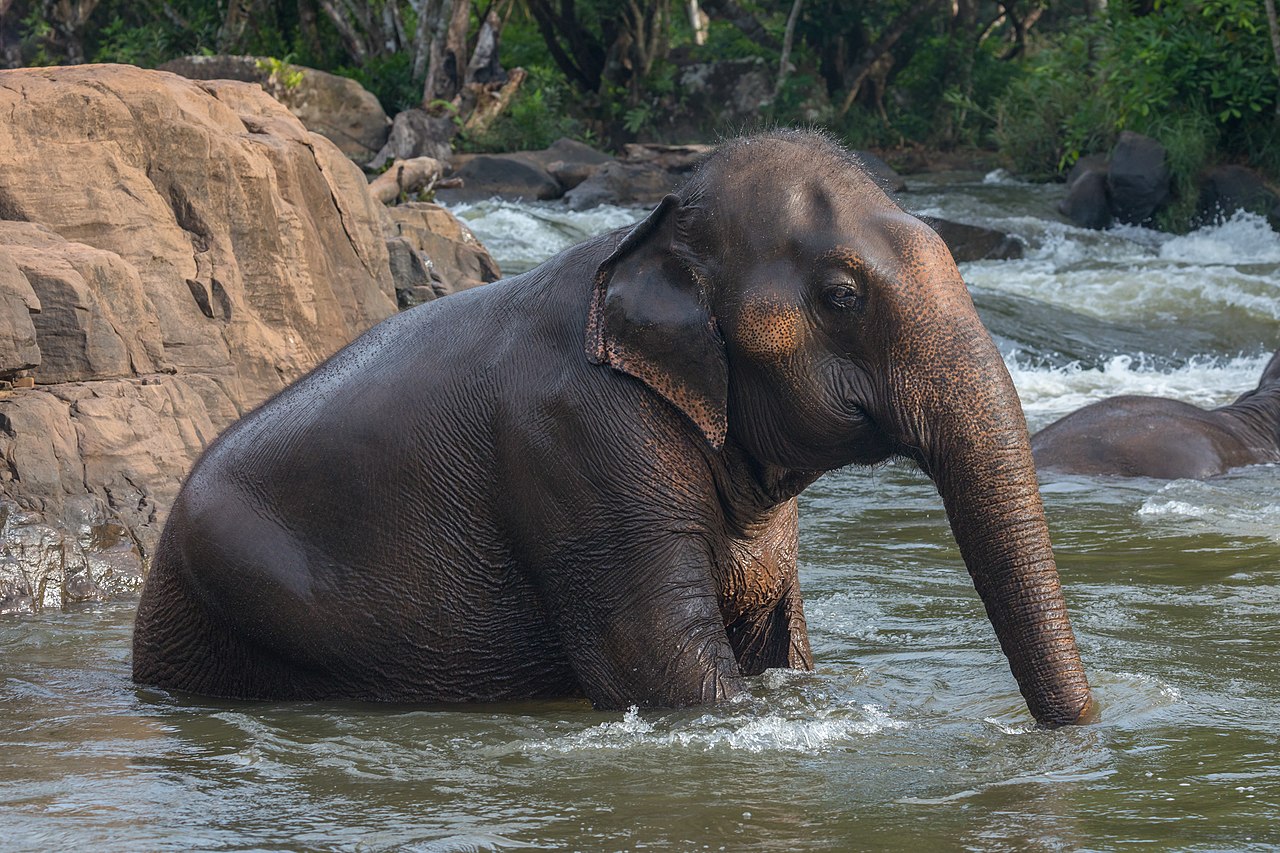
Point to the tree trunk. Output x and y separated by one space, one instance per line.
309 28
698 21
1275 44
730 11
233 23
581 58
784 60
484 66
880 47
10 48
353 37
433 85
68 18
448 59
429 24
491 103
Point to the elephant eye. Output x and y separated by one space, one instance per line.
841 296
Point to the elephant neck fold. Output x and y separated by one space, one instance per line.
749 490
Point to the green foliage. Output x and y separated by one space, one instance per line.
144 46
1045 120
1197 75
535 119
390 78
725 41
38 32
637 118
281 72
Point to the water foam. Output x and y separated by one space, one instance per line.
814 731
522 235
1244 502
1245 238
1049 392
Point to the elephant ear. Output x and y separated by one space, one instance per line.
650 318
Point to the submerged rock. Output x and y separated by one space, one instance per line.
974 242
517 176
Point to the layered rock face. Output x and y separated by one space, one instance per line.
172 252
335 107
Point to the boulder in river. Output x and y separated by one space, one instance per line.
1087 203
1138 178
538 175
974 242
1224 190
516 176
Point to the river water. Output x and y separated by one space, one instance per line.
910 735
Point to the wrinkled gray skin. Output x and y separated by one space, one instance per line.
582 481
1133 436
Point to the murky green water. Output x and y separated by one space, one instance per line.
910 735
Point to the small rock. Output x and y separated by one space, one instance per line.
1138 179
1087 204
974 242
517 176
1227 189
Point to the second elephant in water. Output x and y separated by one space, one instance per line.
1156 437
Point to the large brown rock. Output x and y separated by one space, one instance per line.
18 302
338 108
440 249
190 249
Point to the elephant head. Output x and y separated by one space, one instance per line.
814 324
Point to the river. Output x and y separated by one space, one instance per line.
910 735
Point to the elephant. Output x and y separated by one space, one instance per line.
581 481
1134 436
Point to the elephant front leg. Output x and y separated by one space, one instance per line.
645 632
768 638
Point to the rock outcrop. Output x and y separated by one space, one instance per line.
172 252
338 108
433 254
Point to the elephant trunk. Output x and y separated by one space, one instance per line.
964 424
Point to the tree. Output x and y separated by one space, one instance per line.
604 43
10 43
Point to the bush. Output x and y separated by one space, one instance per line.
535 119
1197 75
390 78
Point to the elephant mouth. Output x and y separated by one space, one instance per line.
869 442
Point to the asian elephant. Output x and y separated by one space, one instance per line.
1132 436
582 480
